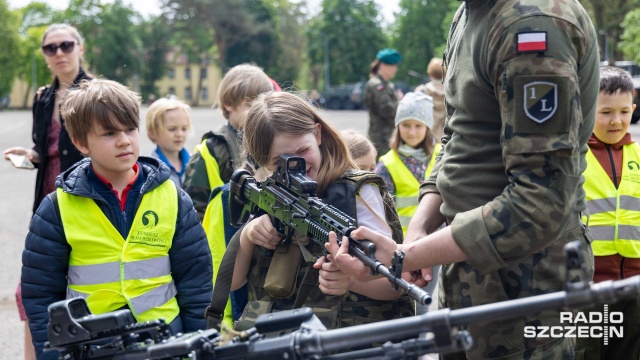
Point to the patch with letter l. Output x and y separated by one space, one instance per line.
540 100
542 104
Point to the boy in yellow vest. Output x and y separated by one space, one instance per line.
612 186
218 155
117 231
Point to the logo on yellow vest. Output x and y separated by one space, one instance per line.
148 236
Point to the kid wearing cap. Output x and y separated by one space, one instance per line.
412 155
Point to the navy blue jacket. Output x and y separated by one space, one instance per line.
45 258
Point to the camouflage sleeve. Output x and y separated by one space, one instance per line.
196 184
541 101
381 99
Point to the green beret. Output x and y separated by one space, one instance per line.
389 56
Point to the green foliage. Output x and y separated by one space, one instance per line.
421 34
350 31
260 46
11 52
33 69
607 16
154 36
630 44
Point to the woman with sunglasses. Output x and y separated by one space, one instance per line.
53 151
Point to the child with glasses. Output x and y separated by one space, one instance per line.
168 126
53 151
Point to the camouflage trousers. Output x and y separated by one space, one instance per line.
460 286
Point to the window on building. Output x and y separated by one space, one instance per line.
187 93
187 73
171 73
172 90
203 73
205 93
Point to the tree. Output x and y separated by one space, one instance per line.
117 47
10 54
421 33
607 16
155 36
33 69
228 21
630 44
260 46
350 31
290 42
36 16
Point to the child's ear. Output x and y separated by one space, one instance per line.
319 133
633 108
83 149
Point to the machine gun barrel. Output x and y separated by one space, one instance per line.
289 198
311 340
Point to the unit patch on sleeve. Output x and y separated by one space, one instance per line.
541 104
534 41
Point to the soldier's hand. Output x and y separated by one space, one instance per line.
332 280
260 232
422 277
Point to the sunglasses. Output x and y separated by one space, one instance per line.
52 49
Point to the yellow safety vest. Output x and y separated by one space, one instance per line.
211 164
614 223
213 224
111 272
407 186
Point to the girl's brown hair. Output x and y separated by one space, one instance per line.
281 112
427 143
103 102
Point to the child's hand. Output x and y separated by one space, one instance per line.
260 232
332 280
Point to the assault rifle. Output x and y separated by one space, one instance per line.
288 196
78 334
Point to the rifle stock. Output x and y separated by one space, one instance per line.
288 196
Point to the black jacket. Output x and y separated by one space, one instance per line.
42 113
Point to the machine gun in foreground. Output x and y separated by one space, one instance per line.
106 336
288 196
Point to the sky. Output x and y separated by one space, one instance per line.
150 7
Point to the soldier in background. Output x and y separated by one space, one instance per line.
521 85
381 98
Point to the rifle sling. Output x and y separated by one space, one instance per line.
222 286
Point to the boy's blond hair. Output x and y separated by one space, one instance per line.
243 82
156 115
105 102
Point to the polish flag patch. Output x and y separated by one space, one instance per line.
531 41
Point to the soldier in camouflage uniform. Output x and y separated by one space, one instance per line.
297 274
381 98
218 155
521 86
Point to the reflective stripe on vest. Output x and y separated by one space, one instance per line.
211 164
407 186
213 224
614 223
111 272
